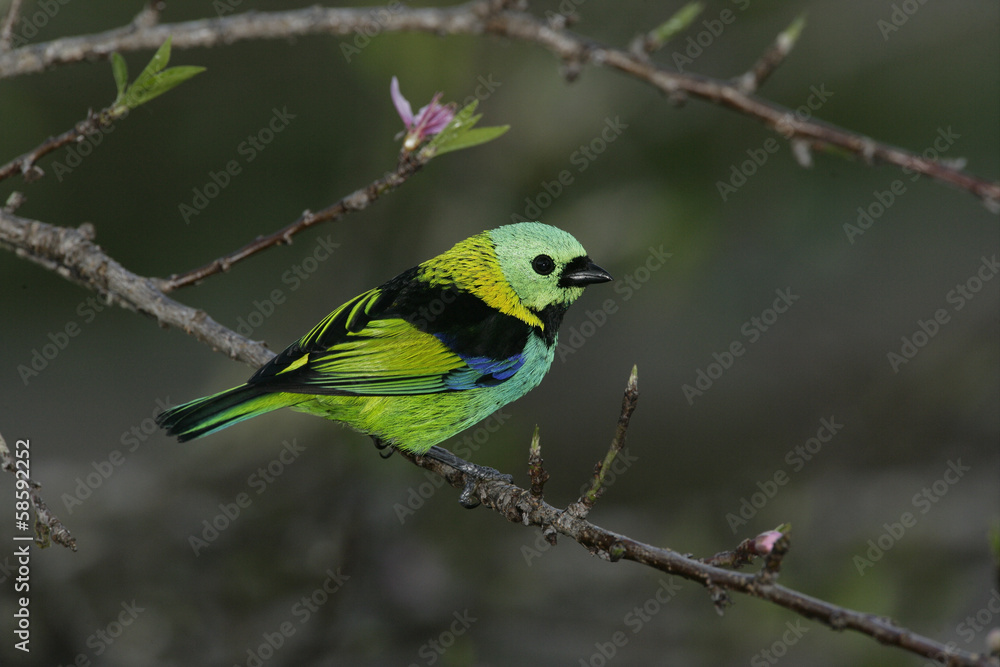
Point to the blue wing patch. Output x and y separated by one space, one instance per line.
480 371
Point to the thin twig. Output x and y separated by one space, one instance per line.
26 164
581 508
520 506
486 17
358 200
536 466
73 255
773 545
743 554
750 81
7 29
48 527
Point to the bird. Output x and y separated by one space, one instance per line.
426 354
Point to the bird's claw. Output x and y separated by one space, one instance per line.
474 474
385 450
468 500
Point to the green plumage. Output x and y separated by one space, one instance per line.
429 353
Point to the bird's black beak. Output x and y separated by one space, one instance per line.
582 272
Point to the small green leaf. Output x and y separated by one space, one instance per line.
157 63
155 85
120 71
461 119
461 132
152 82
676 23
472 137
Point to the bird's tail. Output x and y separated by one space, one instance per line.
214 413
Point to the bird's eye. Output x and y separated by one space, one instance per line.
543 265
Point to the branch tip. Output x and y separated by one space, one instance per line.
769 61
47 525
586 501
536 466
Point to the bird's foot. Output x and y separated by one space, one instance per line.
474 474
385 450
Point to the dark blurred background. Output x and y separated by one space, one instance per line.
417 579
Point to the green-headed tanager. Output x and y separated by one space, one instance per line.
429 353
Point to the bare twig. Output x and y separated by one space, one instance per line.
536 466
25 164
14 201
521 506
409 164
743 554
7 29
72 254
581 508
750 81
773 545
47 525
487 17
654 40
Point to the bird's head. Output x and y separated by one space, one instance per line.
524 269
545 266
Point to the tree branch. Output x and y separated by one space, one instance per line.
26 164
524 507
48 527
489 17
7 29
409 164
73 255
581 508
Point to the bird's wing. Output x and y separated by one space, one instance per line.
365 348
